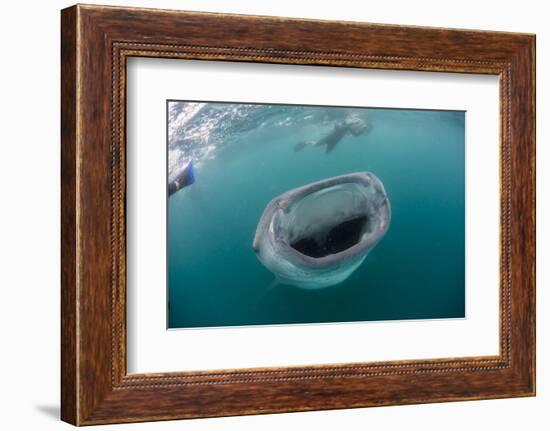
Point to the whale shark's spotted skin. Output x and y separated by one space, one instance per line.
316 235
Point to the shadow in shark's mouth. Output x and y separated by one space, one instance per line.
333 240
316 235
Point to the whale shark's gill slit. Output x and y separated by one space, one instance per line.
332 240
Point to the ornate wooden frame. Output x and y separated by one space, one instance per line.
95 43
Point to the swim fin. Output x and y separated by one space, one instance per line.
302 144
189 174
185 178
299 146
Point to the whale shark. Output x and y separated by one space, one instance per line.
317 235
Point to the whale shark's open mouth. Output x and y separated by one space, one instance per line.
332 240
327 221
316 235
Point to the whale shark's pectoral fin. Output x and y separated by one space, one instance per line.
274 283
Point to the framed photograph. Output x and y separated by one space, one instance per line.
264 214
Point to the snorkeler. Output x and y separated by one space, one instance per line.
351 124
185 178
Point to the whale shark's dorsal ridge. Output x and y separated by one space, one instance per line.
316 235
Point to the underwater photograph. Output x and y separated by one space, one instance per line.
297 214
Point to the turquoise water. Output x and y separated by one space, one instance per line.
243 156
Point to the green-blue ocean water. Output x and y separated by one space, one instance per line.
243 156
